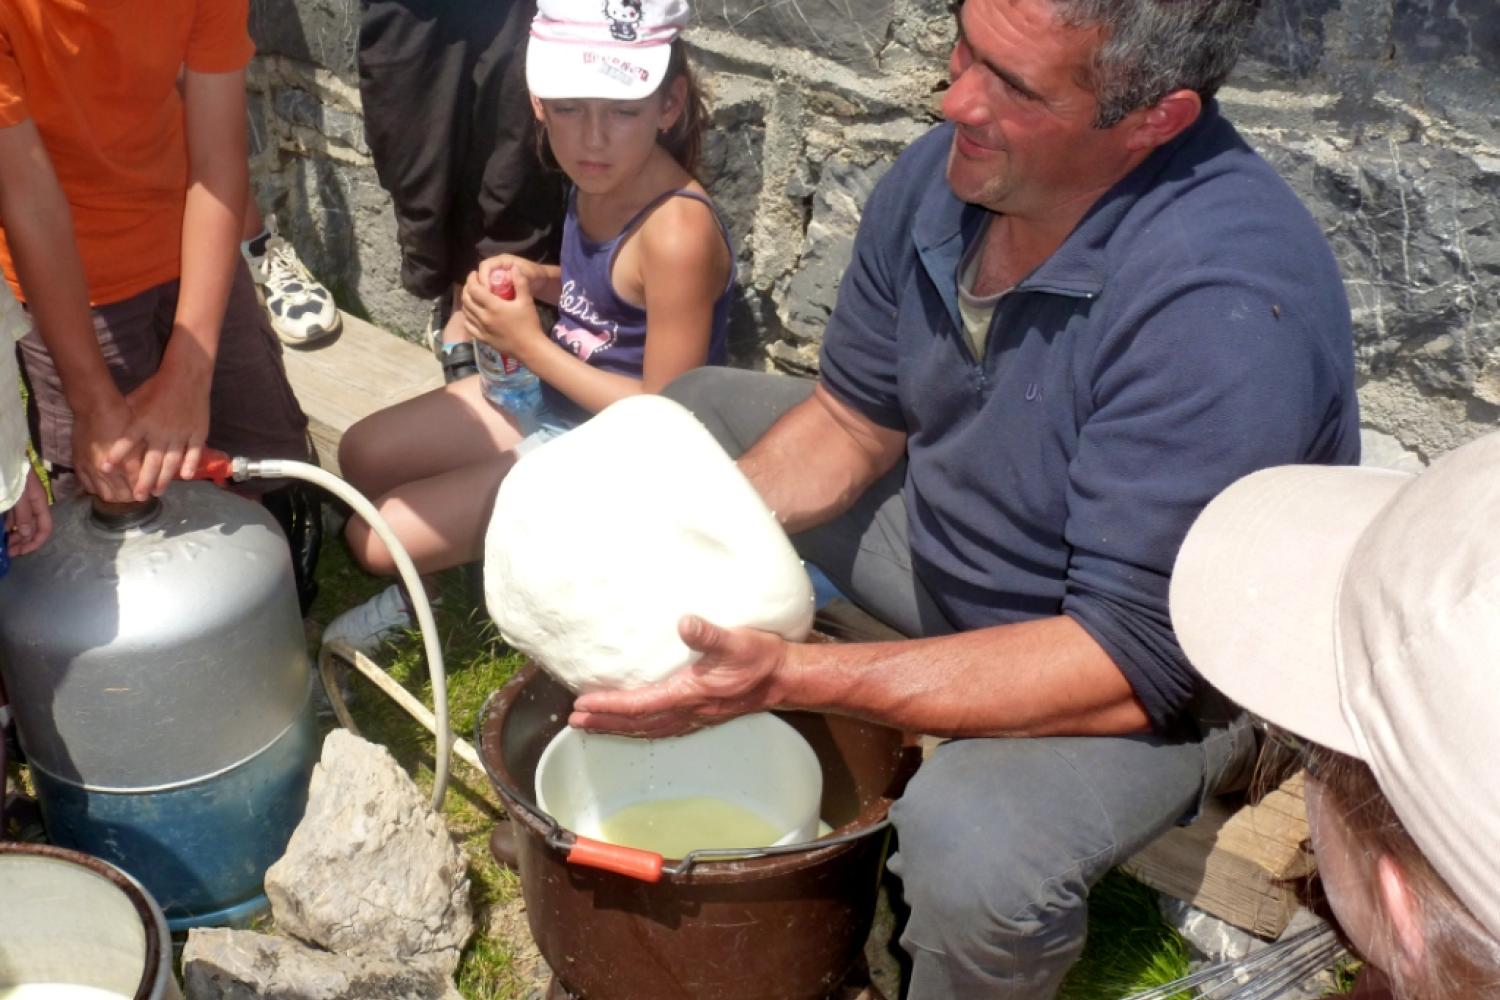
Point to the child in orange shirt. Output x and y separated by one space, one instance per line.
120 215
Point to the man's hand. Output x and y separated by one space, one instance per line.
169 423
737 674
29 522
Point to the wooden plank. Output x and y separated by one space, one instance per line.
1240 864
352 375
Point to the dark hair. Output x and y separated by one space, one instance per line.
1462 958
1153 47
684 140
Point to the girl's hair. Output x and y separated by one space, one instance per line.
684 140
1462 959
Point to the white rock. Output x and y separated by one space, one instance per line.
222 964
371 869
601 541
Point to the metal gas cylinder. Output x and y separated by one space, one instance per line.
156 664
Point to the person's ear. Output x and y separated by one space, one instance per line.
1403 912
673 103
1163 121
536 108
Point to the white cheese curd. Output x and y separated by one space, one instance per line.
602 539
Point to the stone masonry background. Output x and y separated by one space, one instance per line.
1383 114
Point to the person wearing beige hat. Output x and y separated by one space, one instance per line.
1359 609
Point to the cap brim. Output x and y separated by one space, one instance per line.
570 70
1255 590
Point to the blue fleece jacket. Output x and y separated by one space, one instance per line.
1191 329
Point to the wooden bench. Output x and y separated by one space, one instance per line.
1239 861
352 375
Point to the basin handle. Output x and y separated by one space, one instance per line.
631 861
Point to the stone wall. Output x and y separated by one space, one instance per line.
1380 112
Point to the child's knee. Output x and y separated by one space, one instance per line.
359 453
367 548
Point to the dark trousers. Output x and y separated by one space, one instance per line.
999 839
450 127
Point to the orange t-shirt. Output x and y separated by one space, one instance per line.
99 78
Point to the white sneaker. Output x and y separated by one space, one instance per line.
302 310
368 626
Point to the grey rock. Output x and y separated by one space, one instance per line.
298 107
371 869
853 32
321 32
222 964
1211 939
1384 451
837 205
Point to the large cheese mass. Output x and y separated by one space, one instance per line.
602 539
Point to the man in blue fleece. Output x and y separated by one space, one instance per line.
1076 312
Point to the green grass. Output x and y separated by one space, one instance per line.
1131 948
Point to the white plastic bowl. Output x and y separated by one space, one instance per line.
755 761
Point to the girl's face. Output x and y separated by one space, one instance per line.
602 144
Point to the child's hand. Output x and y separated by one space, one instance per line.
535 273
29 523
98 432
169 419
506 324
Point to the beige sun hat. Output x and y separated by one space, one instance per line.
1360 608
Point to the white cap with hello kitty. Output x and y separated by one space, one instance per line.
611 49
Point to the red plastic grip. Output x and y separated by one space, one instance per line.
500 283
215 465
633 862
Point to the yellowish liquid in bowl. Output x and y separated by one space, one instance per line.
675 827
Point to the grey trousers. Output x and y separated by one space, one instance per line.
999 839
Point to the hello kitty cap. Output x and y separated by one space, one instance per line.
611 49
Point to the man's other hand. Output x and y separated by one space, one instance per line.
736 675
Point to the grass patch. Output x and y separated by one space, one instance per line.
1131 947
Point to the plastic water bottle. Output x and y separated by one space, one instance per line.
507 383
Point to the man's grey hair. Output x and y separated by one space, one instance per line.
1153 47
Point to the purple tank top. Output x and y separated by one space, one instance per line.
595 324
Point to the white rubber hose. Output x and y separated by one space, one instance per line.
275 468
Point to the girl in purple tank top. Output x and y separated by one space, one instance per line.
642 293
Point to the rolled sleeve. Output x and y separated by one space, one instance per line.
1204 382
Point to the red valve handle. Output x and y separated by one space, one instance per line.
214 465
500 283
630 861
